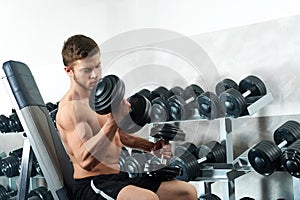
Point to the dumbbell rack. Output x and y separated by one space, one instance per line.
234 168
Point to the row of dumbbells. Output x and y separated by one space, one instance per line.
185 165
267 156
39 193
12 122
162 104
10 165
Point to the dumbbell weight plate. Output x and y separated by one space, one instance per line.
140 109
254 84
264 157
116 95
158 92
192 90
225 85
100 94
213 150
135 163
208 105
188 164
177 91
170 136
4 122
209 197
187 146
14 123
145 93
139 114
232 103
289 131
290 159
123 155
107 94
160 110
177 108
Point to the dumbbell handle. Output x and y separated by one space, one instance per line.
201 160
189 100
247 93
282 144
162 159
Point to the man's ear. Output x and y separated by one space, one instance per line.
68 70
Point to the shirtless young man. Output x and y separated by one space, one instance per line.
94 141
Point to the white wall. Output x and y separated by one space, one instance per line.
33 31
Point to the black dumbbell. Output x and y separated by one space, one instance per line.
123 155
264 157
106 97
4 124
212 152
14 123
224 85
51 106
157 92
53 115
135 163
234 103
187 146
209 196
10 164
5 194
181 107
167 133
40 193
160 111
290 159
209 106
2 155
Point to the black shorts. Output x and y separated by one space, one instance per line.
107 187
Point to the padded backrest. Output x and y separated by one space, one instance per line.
40 130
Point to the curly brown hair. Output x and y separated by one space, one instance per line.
78 47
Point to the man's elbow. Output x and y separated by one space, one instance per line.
88 165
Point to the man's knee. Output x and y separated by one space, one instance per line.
135 193
190 192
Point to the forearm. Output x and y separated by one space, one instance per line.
136 142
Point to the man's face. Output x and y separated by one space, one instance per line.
87 72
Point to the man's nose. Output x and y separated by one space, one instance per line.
93 74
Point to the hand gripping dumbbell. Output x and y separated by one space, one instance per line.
167 133
183 106
234 102
212 152
106 97
264 157
160 111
